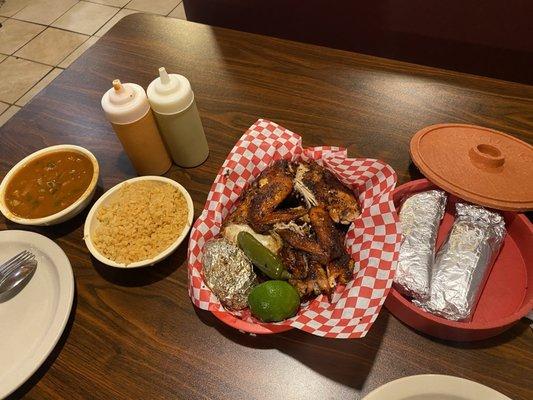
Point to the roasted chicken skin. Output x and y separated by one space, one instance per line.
295 261
303 254
327 234
275 184
314 284
309 276
318 186
328 244
241 212
306 244
340 271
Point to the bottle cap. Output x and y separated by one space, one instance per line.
125 103
170 93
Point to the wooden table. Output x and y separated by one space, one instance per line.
135 334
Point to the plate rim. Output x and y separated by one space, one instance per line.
20 375
436 382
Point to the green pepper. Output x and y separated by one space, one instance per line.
261 257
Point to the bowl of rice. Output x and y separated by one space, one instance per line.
138 222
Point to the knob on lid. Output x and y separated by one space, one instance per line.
170 93
125 103
477 164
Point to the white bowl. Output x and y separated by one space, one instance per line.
91 223
62 215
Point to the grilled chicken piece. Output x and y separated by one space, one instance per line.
318 186
306 244
308 275
327 234
314 284
275 184
327 246
239 216
319 278
295 262
340 270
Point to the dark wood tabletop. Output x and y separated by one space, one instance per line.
135 334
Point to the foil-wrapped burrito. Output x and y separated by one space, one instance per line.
463 263
420 217
228 273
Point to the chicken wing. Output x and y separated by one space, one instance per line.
306 244
328 244
308 276
340 271
319 186
275 184
241 213
327 234
295 262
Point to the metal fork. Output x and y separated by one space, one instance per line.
15 262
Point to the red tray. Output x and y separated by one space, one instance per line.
507 295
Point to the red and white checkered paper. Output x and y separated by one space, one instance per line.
373 240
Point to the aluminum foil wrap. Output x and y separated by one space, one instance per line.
463 263
420 217
228 273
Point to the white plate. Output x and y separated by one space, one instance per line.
434 387
32 322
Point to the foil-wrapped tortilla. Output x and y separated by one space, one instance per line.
228 273
463 263
420 217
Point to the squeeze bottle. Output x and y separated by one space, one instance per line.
127 108
172 101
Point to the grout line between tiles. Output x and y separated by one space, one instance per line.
49 72
66 30
23 20
113 16
20 47
50 26
13 17
68 55
174 9
118 9
38 62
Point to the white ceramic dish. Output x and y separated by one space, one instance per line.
63 215
434 387
91 223
32 322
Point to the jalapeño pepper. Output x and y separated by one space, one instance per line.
261 257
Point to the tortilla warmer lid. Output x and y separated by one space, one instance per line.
477 164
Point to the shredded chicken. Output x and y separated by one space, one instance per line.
318 186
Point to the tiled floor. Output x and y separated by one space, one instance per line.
40 38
